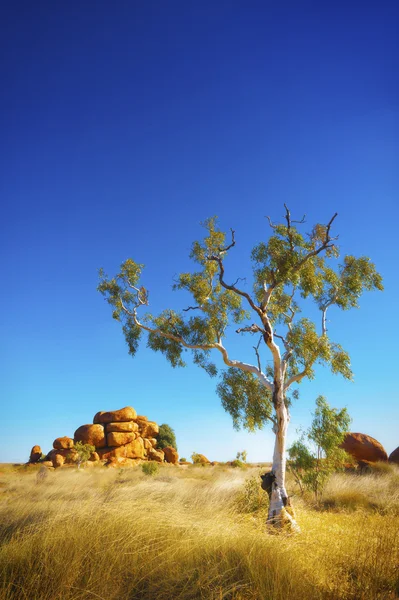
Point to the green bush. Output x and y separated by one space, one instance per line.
83 451
237 463
166 437
150 468
252 499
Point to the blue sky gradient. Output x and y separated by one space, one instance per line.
124 126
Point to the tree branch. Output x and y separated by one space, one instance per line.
233 243
233 288
256 348
295 378
217 346
250 329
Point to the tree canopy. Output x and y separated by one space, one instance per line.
288 268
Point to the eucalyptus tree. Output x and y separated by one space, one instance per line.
289 269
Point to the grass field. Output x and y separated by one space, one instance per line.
193 533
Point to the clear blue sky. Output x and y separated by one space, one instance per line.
123 125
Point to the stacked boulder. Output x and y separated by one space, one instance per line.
120 437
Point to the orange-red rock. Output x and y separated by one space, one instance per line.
133 450
148 429
57 460
147 444
200 458
123 426
94 457
171 455
394 456
364 448
91 434
123 414
35 454
118 438
157 455
108 453
63 443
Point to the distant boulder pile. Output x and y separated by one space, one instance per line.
120 438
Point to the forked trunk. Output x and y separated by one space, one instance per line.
281 513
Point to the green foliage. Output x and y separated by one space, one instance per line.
150 468
242 456
288 268
183 459
252 499
237 463
312 469
196 458
166 437
83 451
245 398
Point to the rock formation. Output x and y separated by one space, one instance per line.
394 456
120 438
364 448
201 459
171 455
35 454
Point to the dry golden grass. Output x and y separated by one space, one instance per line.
188 533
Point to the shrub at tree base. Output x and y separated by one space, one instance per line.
312 470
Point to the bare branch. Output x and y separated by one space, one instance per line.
272 225
281 338
250 329
289 220
239 279
256 348
233 243
192 308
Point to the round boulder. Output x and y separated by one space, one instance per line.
171 455
91 434
156 455
363 447
201 459
148 429
63 443
123 414
394 456
35 454
57 460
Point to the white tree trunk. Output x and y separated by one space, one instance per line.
280 510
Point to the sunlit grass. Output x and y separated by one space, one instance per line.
190 533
